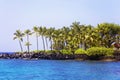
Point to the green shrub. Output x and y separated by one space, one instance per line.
109 52
46 51
66 51
51 51
80 51
38 51
100 51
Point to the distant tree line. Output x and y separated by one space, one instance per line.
72 37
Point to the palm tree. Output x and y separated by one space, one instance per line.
27 33
19 35
107 32
87 36
77 30
41 33
36 31
49 33
57 39
93 38
70 42
45 36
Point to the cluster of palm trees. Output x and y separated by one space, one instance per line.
73 37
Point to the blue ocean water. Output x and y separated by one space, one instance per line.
7 52
58 70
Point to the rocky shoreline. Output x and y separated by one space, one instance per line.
58 56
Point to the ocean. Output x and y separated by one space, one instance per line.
58 70
7 52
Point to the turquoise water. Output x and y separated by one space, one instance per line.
58 70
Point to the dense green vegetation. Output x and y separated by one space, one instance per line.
93 51
80 51
76 38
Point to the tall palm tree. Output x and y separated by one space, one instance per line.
49 34
19 35
93 38
107 32
27 33
87 36
71 40
36 31
62 37
45 36
77 30
41 33
56 39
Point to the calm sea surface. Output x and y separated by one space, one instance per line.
58 70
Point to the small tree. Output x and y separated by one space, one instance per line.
27 33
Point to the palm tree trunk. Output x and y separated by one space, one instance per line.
46 42
37 41
51 44
21 46
85 46
43 42
28 44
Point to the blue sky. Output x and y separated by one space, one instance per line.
24 14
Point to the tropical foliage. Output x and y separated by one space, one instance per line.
100 51
80 51
66 51
27 33
73 37
19 35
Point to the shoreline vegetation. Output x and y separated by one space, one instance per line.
58 55
77 41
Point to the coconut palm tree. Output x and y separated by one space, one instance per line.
87 36
57 39
65 31
77 30
19 35
27 33
70 36
45 36
107 32
36 31
49 34
41 33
